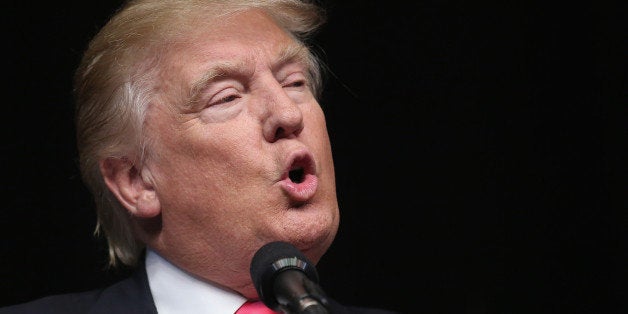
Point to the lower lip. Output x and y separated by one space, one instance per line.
303 191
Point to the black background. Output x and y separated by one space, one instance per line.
475 143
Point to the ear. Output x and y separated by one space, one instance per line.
130 186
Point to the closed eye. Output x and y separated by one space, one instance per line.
224 100
296 84
228 98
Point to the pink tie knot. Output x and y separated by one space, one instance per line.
254 307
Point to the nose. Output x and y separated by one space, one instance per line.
283 117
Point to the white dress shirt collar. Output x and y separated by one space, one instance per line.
177 292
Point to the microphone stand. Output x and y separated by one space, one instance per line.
291 297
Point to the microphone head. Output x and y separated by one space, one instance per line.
272 259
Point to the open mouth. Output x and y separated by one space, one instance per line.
297 175
300 181
302 165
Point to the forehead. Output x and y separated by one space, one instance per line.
239 38
243 43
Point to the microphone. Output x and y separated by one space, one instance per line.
286 280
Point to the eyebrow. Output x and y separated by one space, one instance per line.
294 53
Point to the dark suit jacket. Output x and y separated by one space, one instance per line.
129 296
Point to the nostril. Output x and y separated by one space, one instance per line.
279 133
296 175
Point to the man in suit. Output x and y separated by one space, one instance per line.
201 138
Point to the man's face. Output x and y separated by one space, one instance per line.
238 151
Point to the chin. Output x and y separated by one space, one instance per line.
314 246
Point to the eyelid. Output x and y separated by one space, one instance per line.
222 96
295 77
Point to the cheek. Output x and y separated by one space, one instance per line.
184 140
318 125
202 157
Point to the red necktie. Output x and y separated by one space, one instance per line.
254 307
